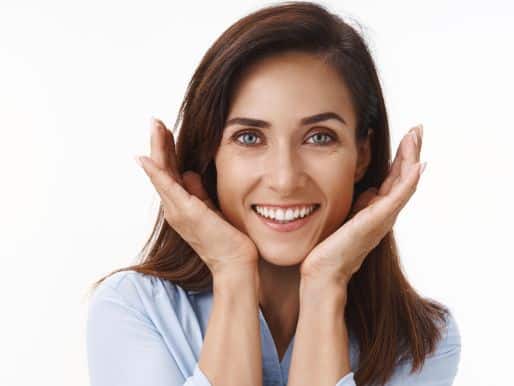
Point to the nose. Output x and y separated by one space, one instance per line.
285 171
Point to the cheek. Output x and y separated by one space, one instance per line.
232 184
337 185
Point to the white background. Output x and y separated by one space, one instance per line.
79 82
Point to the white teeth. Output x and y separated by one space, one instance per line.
280 214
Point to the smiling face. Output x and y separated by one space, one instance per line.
289 152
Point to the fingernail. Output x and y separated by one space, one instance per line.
420 130
154 122
413 133
422 169
138 160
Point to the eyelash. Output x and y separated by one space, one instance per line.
239 134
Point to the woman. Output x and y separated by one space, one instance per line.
273 260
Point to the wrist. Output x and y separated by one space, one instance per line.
236 277
314 291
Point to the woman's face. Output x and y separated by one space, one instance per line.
281 160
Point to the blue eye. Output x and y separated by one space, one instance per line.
321 138
247 134
322 135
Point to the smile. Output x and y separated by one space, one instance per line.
286 222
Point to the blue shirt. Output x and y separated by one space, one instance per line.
145 331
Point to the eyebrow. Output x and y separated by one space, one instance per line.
304 121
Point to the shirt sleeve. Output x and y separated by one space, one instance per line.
125 349
347 380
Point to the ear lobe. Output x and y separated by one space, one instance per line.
363 156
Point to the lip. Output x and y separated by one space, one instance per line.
290 226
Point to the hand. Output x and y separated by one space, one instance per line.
374 212
189 211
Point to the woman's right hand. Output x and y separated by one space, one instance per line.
189 211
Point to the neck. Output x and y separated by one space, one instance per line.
279 297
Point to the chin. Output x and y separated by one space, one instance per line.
283 257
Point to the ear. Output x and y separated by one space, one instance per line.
363 156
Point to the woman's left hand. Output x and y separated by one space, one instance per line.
373 214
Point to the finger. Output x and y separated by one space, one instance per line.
384 209
396 167
193 184
173 195
364 200
403 189
405 151
171 151
376 219
158 148
410 153
165 147
419 136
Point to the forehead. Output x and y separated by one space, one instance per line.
290 84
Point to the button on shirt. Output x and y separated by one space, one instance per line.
143 330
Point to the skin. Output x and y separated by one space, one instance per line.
288 163
300 282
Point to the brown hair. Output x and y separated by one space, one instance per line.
391 322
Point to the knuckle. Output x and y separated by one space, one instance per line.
167 190
190 207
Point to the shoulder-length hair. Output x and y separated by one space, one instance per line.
390 321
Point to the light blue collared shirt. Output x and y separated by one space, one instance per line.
145 331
